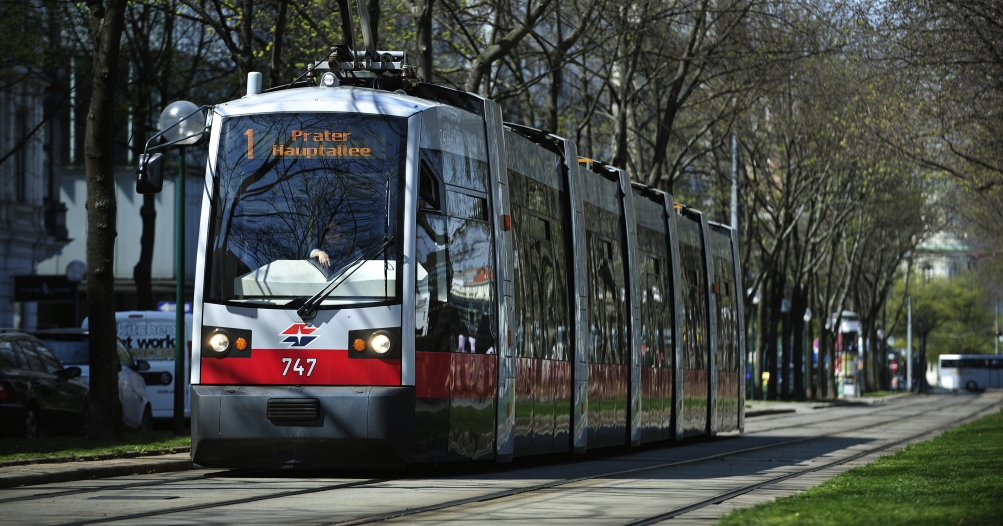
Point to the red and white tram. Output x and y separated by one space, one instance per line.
388 273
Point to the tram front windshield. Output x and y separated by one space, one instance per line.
307 203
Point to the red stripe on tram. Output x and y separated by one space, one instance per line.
301 367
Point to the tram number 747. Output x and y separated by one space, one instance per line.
312 362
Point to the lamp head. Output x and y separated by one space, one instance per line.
188 122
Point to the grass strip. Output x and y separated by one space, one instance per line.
78 448
953 479
878 394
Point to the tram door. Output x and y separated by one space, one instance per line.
542 320
455 360
695 330
609 311
657 317
727 354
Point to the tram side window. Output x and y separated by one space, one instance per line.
652 313
455 284
428 189
541 309
606 324
432 303
471 274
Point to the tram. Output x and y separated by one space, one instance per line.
388 273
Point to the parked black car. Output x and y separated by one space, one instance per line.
37 394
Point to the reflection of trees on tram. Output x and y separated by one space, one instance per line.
542 315
655 331
694 306
607 299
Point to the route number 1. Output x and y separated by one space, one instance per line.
312 362
250 152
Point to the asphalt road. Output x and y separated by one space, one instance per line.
688 482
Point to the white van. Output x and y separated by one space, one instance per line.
150 336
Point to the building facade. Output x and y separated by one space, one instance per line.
32 220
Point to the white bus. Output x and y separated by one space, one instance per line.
970 371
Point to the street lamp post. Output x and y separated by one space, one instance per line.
908 346
806 362
188 124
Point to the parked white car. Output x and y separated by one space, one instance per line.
72 347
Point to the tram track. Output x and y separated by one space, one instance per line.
719 498
822 418
128 486
147 484
230 502
494 495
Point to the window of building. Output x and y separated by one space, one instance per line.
21 156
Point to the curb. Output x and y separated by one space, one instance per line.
96 470
91 458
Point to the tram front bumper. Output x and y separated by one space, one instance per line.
341 427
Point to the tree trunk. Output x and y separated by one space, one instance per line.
798 347
757 345
556 84
373 7
107 23
772 337
810 378
245 58
787 351
142 273
423 16
275 67
921 369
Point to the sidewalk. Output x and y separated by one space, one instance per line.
44 472
754 408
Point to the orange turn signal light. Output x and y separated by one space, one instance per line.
240 344
359 344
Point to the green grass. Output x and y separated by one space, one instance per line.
955 478
876 394
77 447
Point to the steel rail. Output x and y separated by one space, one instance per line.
547 485
755 486
231 502
115 487
444 505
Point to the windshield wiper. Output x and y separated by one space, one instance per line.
309 308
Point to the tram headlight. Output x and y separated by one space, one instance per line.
380 343
224 342
219 343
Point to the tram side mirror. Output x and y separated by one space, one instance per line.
150 175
